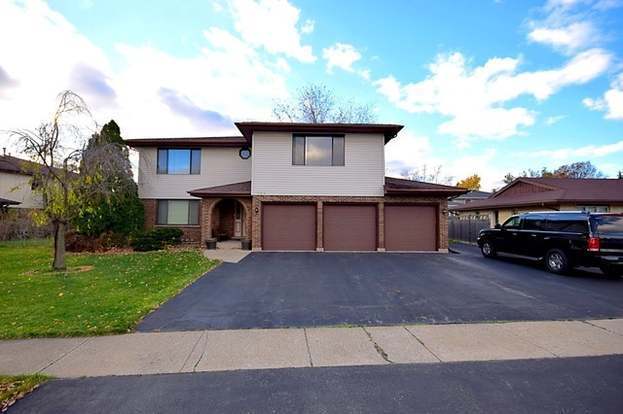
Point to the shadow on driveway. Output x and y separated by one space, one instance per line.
268 290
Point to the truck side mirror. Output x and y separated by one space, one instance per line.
498 226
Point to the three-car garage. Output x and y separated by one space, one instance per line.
349 226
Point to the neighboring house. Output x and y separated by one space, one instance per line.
557 194
463 199
291 186
15 183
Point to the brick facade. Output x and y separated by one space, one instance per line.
440 202
192 234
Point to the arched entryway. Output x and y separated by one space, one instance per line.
229 220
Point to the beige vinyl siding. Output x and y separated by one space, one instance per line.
219 166
362 175
16 187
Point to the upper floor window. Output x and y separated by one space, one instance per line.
179 161
317 150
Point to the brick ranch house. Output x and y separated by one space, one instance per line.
291 186
542 194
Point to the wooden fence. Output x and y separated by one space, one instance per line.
466 229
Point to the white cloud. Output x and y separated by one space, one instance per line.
271 24
341 55
551 120
308 26
588 151
612 101
149 93
569 38
474 98
570 26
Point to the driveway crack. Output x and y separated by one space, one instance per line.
311 362
378 347
203 351
422 343
192 351
588 322
65 354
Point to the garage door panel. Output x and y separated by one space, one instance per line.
289 227
410 228
349 227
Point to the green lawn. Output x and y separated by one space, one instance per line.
13 388
111 297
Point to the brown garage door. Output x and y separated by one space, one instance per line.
289 227
349 227
410 228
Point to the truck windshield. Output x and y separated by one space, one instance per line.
607 224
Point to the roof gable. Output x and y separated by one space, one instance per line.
522 186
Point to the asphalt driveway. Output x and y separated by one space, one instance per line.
268 290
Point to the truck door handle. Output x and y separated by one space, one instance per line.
533 235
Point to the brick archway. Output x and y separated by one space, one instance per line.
209 211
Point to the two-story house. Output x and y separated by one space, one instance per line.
291 186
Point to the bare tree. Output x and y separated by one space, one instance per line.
317 104
429 174
57 149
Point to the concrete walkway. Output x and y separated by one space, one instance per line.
170 352
228 251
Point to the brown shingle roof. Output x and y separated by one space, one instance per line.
389 131
11 164
557 190
15 165
229 141
228 190
401 186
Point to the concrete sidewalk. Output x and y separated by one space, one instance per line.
170 352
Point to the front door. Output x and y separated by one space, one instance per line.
237 220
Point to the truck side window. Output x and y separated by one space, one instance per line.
512 223
534 223
570 226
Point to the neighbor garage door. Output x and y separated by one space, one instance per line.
410 228
349 227
289 227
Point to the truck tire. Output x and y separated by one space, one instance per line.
487 250
556 261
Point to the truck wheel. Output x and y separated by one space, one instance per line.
487 250
612 272
556 261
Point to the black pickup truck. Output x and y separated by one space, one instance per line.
561 240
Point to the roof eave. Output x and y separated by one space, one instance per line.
218 194
470 207
186 143
423 191
389 131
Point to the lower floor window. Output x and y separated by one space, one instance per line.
594 209
180 212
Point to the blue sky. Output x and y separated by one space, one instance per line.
485 87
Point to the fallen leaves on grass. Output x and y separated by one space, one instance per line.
12 388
